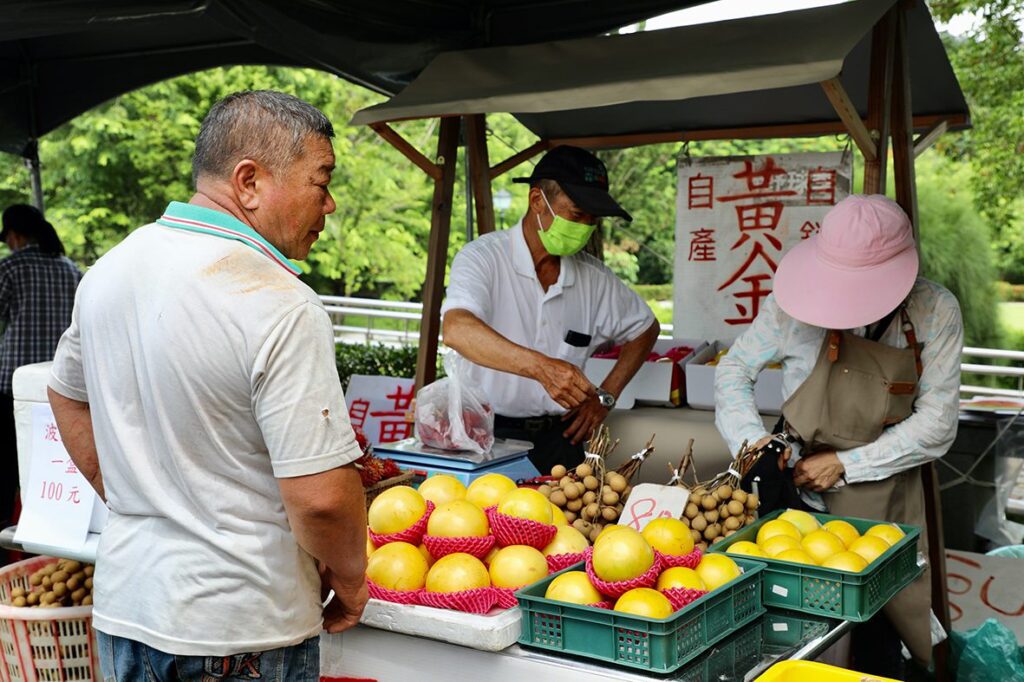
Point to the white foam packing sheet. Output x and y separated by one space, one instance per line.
493 631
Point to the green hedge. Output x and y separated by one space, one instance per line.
1011 293
378 360
653 292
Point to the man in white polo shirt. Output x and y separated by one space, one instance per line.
196 389
528 310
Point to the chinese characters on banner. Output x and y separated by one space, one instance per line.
735 218
381 407
58 504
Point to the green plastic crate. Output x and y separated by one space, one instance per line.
831 592
729 659
650 644
783 631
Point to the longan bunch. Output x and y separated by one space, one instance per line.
716 514
64 583
588 503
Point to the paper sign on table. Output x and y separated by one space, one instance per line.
982 587
58 505
381 407
650 501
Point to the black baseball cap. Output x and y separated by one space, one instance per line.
582 176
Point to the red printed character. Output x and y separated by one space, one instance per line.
71 468
702 246
357 411
700 191
808 228
51 433
396 424
73 496
821 187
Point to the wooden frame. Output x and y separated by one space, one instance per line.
883 38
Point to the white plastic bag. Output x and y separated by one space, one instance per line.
452 415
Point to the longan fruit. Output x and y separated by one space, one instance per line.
581 525
739 495
32 598
89 570
545 490
723 512
712 531
565 483
571 493
691 511
718 539
580 487
88 583
610 514
728 533
594 532
558 498
686 521
584 470
610 498
19 601
47 598
60 589
699 523
735 508
696 535
72 566
618 483
625 493
18 592
593 509
35 579
702 546
752 501
87 600
570 517
49 569
591 483
748 519
574 505
59 577
589 497
732 523
711 516
47 582
79 594
558 471
724 492
709 502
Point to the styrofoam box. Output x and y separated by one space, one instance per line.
28 386
652 382
492 631
700 383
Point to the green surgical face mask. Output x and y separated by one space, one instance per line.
564 237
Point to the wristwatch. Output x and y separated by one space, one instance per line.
605 398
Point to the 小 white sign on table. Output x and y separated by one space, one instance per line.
650 501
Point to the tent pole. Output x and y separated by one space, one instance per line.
437 250
847 112
479 171
35 173
903 129
879 100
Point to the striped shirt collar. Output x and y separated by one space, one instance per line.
218 224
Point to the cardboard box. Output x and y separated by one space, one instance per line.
653 381
700 383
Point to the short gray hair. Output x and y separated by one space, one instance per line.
266 126
550 187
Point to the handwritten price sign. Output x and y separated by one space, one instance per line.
649 501
982 587
59 501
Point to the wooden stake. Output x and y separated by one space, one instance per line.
395 139
479 169
902 127
883 37
841 102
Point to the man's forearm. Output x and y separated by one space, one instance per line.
476 341
74 421
631 358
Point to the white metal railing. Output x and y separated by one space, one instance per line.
405 328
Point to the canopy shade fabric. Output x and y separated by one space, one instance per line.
752 72
59 58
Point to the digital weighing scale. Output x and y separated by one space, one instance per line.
506 457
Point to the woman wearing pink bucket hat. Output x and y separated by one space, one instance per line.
870 355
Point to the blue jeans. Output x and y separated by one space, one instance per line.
125 660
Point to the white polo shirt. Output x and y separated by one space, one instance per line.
210 373
493 277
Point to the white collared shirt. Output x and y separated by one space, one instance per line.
494 278
776 337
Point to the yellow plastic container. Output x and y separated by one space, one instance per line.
808 671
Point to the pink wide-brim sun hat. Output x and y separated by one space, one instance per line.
859 267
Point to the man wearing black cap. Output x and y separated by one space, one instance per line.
528 310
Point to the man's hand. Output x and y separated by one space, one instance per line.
585 419
565 382
346 608
818 472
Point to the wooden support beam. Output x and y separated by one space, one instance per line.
394 138
516 159
883 37
437 250
926 140
841 102
937 562
480 171
751 133
902 127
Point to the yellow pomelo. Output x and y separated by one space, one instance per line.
844 530
457 572
777 527
526 503
821 544
669 536
458 519
887 531
441 488
622 555
573 587
395 510
680 577
608 530
846 561
869 546
558 516
397 566
643 601
517 565
490 555
716 570
370 547
485 491
797 556
778 543
567 540
804 522
747 548
426 554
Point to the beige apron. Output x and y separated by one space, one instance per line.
856 389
